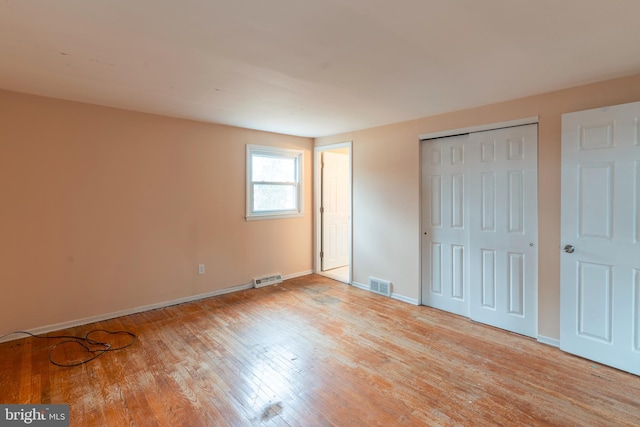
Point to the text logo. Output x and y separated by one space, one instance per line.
34 415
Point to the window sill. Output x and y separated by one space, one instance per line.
259 217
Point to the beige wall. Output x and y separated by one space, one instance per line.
105 210
386 179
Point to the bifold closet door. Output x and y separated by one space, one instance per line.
480 227
503 204
445 244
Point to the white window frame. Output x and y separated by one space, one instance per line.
277 152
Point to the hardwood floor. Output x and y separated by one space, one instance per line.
315 352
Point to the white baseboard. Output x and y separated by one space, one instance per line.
394 296
549 341
79 322
402 298
360 285
294 275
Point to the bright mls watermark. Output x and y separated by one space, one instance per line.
35 415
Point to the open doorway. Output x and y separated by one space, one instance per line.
333 211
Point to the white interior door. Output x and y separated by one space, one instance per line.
445 272
335 210
503 208
600 276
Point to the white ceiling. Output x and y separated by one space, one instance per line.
311 67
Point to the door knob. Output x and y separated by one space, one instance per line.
569 249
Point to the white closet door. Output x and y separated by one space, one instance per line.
503 196
445 273
600 276
480 226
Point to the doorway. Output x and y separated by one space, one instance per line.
333 211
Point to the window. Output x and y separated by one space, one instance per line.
274 182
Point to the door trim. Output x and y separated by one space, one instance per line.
316 209
480 128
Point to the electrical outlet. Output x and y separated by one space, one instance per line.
200 268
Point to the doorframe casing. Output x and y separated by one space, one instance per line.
317 151
534 120
453 132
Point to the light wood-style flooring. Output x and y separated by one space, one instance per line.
315 352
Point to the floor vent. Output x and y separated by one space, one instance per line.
379 286
259 282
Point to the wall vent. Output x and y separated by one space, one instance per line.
259 282
379 286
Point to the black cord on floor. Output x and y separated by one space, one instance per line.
84 342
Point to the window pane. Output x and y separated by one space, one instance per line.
273 169
274 197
